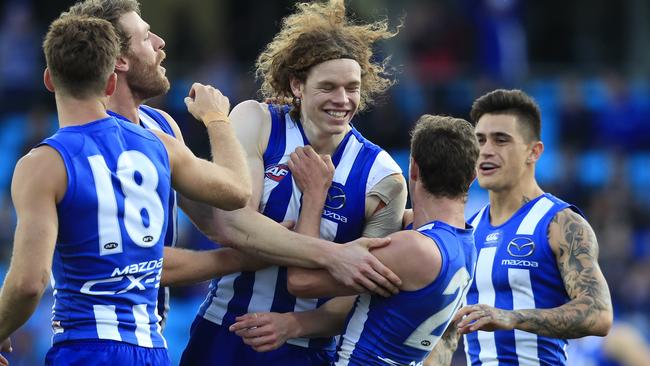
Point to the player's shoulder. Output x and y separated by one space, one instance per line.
173 125
251 111
251 121
414 258
41 168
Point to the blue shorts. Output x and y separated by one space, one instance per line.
211 344
104 352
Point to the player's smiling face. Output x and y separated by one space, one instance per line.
330 95
146 77
503 152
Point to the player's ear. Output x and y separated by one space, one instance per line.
111 84
121 64
414 170
296 86
535 152
47 80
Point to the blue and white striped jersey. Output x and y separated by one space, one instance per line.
151 119
516 269
404 328
359 164
112 221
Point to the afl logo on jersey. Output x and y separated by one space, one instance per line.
521 247
335 197
276 172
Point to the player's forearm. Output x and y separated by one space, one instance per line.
228 153
18 300
200 214
326 321
310 215
314 283
185 267
254 233
443 351
578 318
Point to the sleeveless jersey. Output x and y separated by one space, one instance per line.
516 269
359 164
151 119
404 328
112 221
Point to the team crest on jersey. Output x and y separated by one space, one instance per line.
521 247
335 197
276 172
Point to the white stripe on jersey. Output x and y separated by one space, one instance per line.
106 320
523 298
303 304
486 295
529 223
142 326
477 218
148 121
219 305
353 330
263 290
384 166
350 153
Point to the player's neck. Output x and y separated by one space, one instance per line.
323 142
76 112
124 103
504 203
427 208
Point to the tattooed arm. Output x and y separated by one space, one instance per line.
589 312
443 351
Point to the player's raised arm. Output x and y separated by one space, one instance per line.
39 182
200 179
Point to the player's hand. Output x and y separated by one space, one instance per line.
312 173
356 268
483 317
207 104
262 331
5 346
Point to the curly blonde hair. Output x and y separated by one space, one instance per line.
319 32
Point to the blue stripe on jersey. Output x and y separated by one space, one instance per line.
517 270
108 257
277 139
402 329
266 290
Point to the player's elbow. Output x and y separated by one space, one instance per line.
29 286
298 284
236 199
603 324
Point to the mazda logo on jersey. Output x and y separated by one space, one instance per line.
335 197
276 172
521 247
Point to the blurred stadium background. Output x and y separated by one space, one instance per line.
586 62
